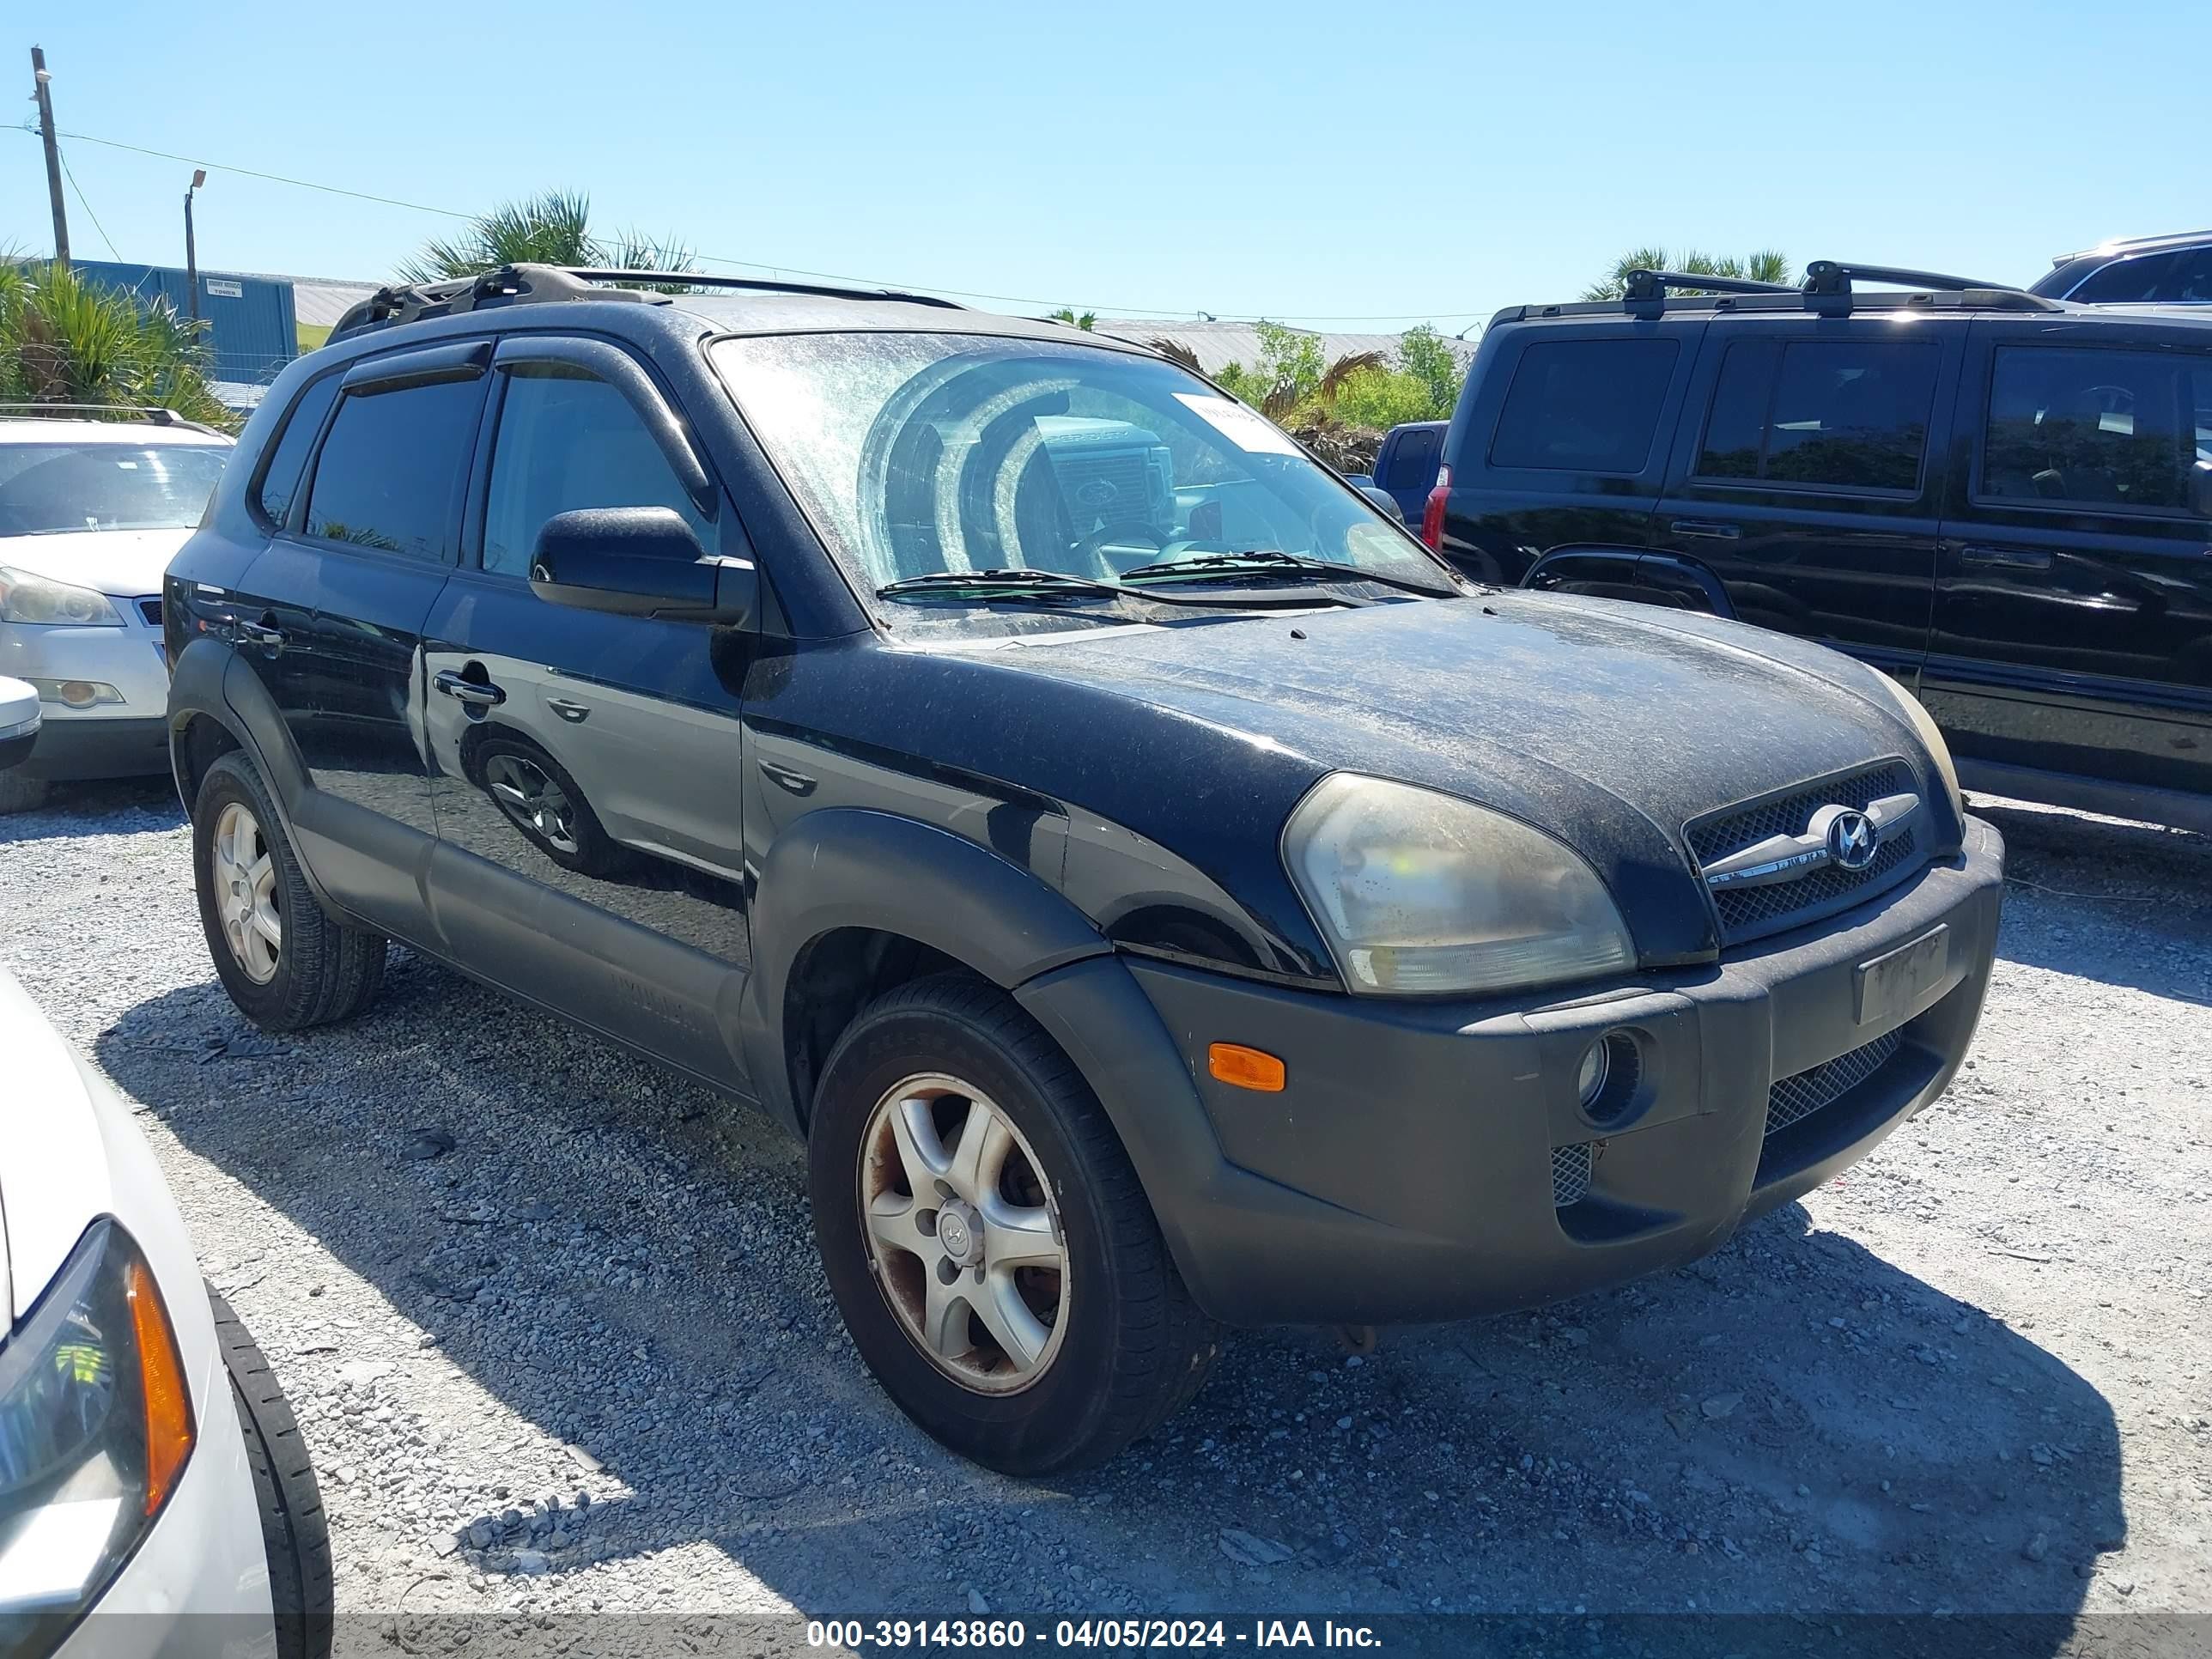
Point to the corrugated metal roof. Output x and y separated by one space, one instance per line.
319 302
1217 345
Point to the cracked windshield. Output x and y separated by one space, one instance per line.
961 472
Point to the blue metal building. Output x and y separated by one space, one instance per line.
252 333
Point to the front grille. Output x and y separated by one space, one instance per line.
151 610
1571 1173
1797 1098
1748 912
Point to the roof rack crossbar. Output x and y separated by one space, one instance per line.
524 284
1646 285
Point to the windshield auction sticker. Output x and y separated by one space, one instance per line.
1252 433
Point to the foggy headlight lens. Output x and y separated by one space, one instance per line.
1938 750
27 598
1421 893
95 1424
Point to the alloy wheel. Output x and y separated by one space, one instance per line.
963 1234
528 794
243 867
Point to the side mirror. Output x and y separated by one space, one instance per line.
1383 502
638 562
2200 489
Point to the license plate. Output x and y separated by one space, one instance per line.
1887 987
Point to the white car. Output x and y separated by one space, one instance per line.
154 1492
90 512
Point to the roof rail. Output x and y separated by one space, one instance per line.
1648 285
2124 244
153 414
1834 279
527 285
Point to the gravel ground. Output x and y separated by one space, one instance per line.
552 1321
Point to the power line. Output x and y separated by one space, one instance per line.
1101 308
85 201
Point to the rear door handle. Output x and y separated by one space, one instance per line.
264 633
2006 558
1712 527
574 713
477 693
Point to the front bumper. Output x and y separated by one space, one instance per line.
1433 1161
198 1588
110 740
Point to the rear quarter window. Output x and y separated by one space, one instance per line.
1585 405
287 457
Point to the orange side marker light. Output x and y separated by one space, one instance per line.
1247 1069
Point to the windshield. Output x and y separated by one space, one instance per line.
48 487
920 454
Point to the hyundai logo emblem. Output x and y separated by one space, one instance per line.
1851 839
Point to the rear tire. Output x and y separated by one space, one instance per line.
318 969
1116 1345
295 1531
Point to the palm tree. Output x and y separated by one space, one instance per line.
1767 265
553 228
66 340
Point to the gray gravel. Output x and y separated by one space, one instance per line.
553 1324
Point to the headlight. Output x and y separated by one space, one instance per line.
27 598
1938 750
95 1424
1421 893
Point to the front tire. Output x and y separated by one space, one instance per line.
286 962
295 1531
987 1240
20 794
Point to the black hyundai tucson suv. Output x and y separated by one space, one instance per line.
1162 894
2004 501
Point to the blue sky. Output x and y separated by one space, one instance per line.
1425 162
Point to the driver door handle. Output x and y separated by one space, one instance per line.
477 693
1711 528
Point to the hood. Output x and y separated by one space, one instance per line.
54 1173
1609 726
127 564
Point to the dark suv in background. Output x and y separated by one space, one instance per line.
1160 892
2138 270
2003 500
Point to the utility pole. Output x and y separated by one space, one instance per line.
41 79
191 250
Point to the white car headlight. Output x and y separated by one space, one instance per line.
96 1427
1421 893
1938 750
27 598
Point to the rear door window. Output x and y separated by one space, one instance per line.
1413 462
2100 428
390 474
1585 405
1843 414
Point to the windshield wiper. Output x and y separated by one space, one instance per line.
1000 587
998 584
1267 562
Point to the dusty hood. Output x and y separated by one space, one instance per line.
1609 725
1670 720
128 563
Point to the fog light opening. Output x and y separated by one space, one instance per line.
1606 1081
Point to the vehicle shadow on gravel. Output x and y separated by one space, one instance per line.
120 804
625 1263
2125 904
